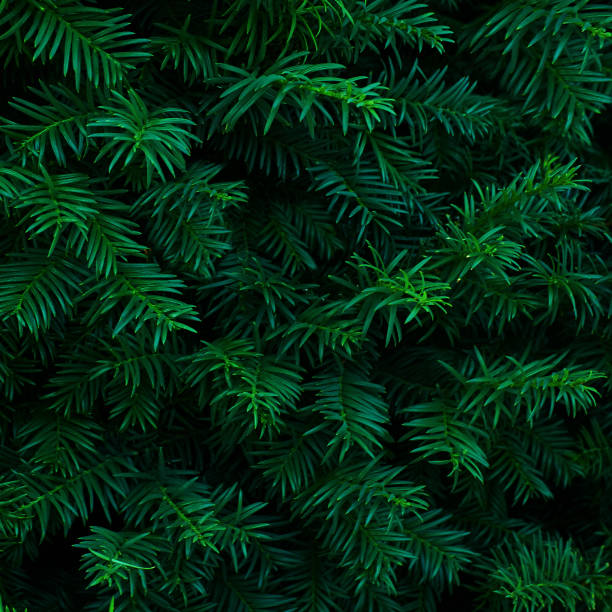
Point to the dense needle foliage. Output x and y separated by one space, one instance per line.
305 305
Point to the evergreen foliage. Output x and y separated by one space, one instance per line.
305 305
